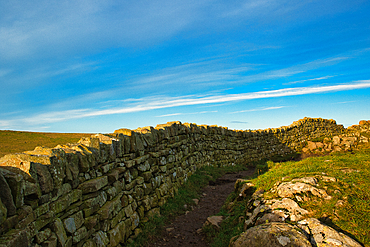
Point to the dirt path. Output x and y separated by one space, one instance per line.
183 230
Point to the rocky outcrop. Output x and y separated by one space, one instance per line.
97 191
280 221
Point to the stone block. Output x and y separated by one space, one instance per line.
110 208
73 222
79 235
118 218
3 212
101 239
6 196
52 241
58 228
93 184
43 220
135 219
117 234
91 222
43 235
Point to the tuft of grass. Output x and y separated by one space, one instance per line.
190 190
20 141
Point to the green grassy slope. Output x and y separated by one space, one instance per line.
19 141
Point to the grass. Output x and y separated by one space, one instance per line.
190 190
20 141
352 172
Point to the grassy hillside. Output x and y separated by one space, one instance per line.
347 211
19 141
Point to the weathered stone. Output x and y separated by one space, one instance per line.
43 220
117 234
93 184
289 189
61 191
101 239
215 220
336 140
324 235
52 241
41 210
272 235
91 222
32 189
16 184
90 243
57 227
25 216
74 222
296 213
54 159
110 208
6 196
311 145
308 180
65 201
118 218
135 220
79 235
268 218
43 235
3 212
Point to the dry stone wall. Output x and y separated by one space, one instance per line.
97 191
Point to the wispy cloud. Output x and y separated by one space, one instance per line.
312 79
345 102
239 122
146 105
192 113
296 69
260 109
169 115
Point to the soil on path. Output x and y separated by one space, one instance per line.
184 230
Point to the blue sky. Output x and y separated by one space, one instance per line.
97 66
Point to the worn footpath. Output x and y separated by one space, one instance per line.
185 229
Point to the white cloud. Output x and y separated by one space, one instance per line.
147 104
261 109
192 113
312 79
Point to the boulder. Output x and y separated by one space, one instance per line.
272 235
289 189
324 235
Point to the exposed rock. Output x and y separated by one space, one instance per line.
289 189
308 180
294 211
324 235
272 235
268 218
214 220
